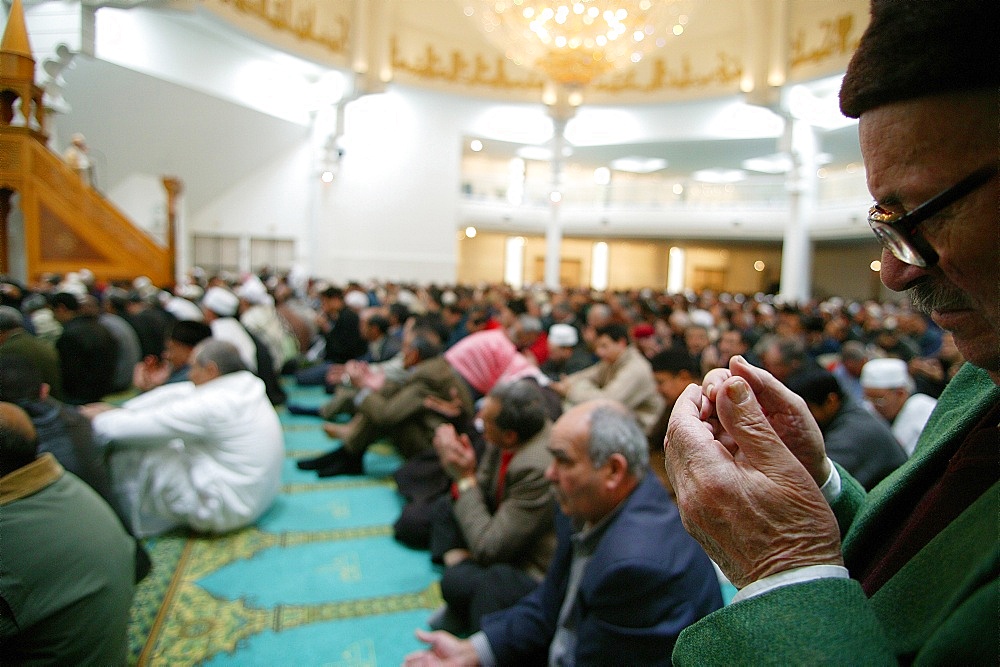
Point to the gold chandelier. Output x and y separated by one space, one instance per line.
574 42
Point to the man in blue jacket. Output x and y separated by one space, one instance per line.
626 578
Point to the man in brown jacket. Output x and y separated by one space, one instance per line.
395 410
496 533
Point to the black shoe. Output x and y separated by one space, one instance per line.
347 464
323 461
297 409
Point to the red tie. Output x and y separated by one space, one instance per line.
505 457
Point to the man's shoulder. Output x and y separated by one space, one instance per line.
647 515
534 453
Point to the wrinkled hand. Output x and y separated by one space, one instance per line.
786 412
445 649
741 493
455 452
447 408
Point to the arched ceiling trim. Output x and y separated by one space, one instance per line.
433 43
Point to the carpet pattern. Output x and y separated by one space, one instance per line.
318 580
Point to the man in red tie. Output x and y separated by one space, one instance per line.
495 533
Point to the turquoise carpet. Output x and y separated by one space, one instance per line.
318 580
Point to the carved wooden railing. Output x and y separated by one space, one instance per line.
67 224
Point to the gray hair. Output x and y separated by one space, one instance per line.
522 408
10 318
222 353
614 430
529 323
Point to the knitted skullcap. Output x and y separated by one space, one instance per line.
183 309
884 374
356 300
915 48
221 301
641 331
563 335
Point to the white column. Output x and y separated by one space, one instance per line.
553 231
796 251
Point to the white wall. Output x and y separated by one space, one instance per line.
392 210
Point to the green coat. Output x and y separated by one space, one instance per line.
943 606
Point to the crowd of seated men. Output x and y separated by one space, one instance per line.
465 382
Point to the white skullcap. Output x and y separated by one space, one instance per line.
221 301
183 309
885 374
190 291
253 291
563 335
702 318
356 300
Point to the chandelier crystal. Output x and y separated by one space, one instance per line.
574 42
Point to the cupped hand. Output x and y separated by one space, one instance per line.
450 408
455 452
740 491
789 416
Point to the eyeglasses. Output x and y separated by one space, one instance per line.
898 231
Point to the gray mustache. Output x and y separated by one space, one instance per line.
930 296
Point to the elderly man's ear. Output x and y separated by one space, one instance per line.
617 470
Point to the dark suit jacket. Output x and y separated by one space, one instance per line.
940 608
646 581
87 355
863 444
343 340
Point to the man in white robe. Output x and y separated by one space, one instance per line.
205 454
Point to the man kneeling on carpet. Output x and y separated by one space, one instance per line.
205 453
626 577
495 531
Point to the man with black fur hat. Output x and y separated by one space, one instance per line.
909 572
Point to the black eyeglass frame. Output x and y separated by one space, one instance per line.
898 231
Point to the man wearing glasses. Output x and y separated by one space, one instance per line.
909 572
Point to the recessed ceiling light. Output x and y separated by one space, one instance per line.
639 165
775 163
719 175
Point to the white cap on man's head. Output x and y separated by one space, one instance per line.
183 309
221 301
885 374
563 335
356 300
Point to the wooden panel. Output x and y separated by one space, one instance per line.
69 225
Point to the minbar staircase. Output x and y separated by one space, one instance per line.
68 225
